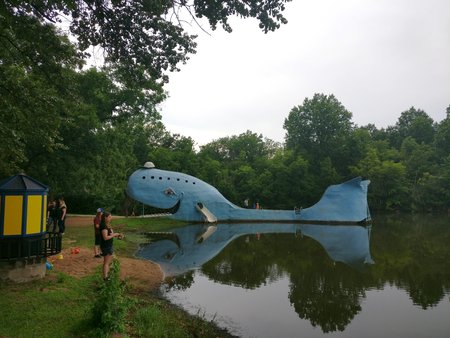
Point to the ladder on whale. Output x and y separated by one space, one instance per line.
207 215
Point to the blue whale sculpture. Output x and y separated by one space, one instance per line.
193 200
190 247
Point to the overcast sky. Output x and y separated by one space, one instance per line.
378 57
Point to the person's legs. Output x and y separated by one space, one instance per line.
62 226
97 250
107 259
55 224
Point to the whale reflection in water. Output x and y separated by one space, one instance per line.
190 247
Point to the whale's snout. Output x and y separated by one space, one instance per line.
151 187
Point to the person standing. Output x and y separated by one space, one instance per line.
246 203
106 242
97 234
62 213
52 219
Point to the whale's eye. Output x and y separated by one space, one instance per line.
168 178
152 177
160 178
169 192
193 182
186 181
178 179
143 177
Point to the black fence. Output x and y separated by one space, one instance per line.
40 246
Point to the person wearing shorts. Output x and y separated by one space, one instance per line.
106 242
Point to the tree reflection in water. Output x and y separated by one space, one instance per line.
326 293
410 254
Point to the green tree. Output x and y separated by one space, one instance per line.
175 152
286 182
421 169
418 158
103 144
445 181
246 148
414 123
429 193
319 129
388 188
244 158
359 142
442 139
36 89
142 38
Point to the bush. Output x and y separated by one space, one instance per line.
111 305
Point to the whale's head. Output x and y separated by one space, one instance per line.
154 187
185 197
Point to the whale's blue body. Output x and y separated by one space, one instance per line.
197 201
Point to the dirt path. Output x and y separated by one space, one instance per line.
143 275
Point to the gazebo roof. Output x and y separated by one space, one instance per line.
22 183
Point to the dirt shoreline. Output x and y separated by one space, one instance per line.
142 275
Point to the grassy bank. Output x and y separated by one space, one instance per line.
63 306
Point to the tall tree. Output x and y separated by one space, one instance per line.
319 128
102 145
243 158
388 188
36 77
414 123
442 140
175 152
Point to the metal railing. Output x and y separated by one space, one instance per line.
40 246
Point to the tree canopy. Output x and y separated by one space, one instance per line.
142 39
319 126
44 90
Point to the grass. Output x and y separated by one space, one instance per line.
152 320
56 306
63 306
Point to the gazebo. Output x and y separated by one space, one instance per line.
24 241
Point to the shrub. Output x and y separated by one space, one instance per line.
111 305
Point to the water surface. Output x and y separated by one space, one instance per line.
391 279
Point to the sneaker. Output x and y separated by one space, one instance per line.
98 256
106 279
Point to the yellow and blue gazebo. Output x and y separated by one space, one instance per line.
23 215
23 207
24 241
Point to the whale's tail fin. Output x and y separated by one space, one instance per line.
345 202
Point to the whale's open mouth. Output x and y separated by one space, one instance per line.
150 210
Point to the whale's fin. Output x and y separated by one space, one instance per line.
207 215
345 202
208 232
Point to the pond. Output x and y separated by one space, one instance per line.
391 279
